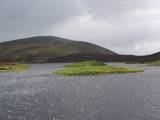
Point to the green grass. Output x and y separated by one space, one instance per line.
11 67
156 63
76 69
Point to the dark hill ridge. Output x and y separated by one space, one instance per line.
37 39
44 48
107 58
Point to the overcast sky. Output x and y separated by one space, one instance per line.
124 26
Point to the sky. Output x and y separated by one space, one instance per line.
124 26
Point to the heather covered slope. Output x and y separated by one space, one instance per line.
55 49
43 48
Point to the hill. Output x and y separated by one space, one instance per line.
44 48
108 58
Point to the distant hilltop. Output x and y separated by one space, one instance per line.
44 48
51 49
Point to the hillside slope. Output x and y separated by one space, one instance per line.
43 48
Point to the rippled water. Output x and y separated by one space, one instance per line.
37 95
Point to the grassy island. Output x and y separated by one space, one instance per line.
11 67
92 68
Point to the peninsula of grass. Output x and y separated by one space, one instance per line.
11 67
156 63
93 68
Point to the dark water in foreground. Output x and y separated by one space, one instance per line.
37 95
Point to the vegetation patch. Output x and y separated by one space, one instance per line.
11 67
86 63
88 68
156 63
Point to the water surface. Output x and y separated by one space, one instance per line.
38 95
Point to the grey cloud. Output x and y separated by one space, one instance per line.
126 26
114 8
26 18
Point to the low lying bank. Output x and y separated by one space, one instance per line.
11 67
91 68
156 63
86 64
